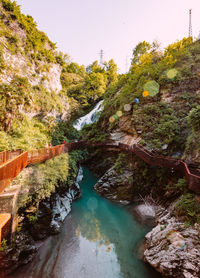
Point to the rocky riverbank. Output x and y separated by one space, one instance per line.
51 214
171 247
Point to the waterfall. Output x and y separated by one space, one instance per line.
89 118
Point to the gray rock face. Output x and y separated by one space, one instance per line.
163 251
145 213
116 187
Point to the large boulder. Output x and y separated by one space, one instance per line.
115 186
174 250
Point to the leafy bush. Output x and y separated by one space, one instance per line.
158 124
8 5
189 208
94 133
194 118
63 132
26 135
42 180
4 245
120 162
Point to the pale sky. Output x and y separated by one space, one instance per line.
82 27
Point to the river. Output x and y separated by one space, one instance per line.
99 239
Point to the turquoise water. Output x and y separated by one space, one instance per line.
99 239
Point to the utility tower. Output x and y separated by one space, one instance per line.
190 23
101 57
126 64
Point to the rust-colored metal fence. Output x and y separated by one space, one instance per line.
4 157
40 155
10 169
5 225
149 157
7 155
12 163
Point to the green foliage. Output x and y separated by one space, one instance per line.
120 162
148 64
140 49
194 118
189 208
27 134
46 101
86 87
4 245
32 218
63 132
158 124
95 86
37 44
93 133
75 158
8 5
181 184
12 97
43 180
178 188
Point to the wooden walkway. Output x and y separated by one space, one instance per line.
192 176
12 163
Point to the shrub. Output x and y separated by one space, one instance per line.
8 5
189 208
4 245
120 163
194 118
43 180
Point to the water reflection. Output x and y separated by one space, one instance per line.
98 239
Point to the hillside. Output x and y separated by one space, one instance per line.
167 119
156 105
39 86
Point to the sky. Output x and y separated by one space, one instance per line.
81 28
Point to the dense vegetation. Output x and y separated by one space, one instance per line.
167 118
32 114
161 90
158 101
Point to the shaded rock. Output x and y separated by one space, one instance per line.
145 213
53 211
162 253
21 252
116 187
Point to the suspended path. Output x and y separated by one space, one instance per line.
12 163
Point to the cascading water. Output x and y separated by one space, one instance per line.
98 238
90 118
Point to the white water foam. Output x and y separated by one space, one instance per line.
89 118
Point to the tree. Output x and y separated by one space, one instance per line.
95 86
94 67
14 98
111 72
140 49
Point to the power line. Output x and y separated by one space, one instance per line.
190 23
101 57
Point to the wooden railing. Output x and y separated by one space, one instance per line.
4 157
11 169
12 166
40 155
12 163
149 157
16 161
5 225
